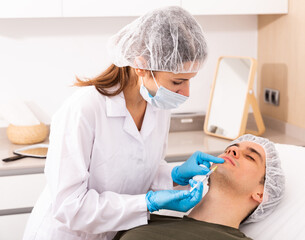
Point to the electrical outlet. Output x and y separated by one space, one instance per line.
272 96
275 97
267 94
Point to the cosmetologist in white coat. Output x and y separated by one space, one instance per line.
105 167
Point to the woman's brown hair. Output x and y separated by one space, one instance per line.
112 76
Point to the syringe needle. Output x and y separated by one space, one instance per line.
205 177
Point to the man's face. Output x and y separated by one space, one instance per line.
243 169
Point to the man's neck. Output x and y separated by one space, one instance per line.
220 207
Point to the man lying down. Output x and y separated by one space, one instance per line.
244 189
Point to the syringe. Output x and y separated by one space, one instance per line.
203 178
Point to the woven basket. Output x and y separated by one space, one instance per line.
27 134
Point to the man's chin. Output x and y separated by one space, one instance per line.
221 168
221 176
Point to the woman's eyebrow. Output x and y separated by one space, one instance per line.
183 79
256 152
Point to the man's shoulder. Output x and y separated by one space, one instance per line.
173 228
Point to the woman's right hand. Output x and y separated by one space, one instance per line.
183 173
177 200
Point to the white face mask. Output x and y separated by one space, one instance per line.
164 98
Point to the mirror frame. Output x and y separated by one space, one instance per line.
250 100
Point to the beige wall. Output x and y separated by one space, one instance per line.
281 63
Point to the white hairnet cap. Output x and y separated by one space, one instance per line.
166 39
274 186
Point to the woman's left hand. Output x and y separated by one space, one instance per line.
177 200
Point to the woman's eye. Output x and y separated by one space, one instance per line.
177 83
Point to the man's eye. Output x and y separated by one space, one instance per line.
227 150
248 156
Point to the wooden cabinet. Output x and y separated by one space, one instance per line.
97 8
30 8
235 7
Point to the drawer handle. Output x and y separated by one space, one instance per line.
186 120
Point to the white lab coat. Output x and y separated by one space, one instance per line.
99 168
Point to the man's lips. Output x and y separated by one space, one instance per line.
229 160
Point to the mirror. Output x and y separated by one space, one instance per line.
231 97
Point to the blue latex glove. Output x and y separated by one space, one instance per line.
183 173
176 200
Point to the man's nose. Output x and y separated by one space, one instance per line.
185 90
233 152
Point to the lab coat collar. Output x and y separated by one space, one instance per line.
148 124
149 121
116 106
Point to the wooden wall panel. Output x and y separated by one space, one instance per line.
281 63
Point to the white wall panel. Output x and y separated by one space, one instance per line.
231 7
40 58
93 8
30 8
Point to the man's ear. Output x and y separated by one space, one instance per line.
258 194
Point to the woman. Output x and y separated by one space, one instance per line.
108 141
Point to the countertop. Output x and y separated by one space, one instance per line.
180 146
